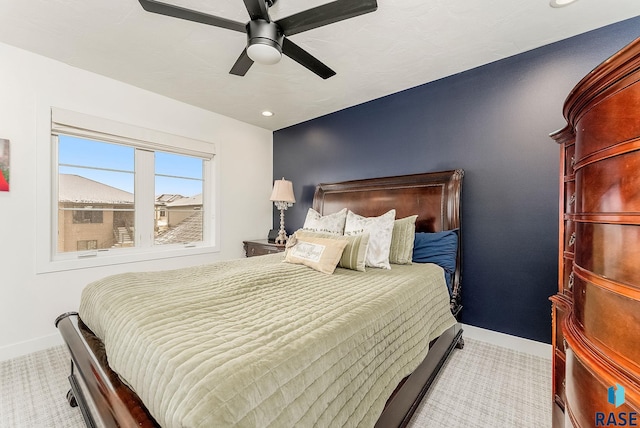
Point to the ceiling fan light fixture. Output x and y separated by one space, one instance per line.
561 3
264 51
264 42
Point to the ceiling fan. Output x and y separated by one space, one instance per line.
266 39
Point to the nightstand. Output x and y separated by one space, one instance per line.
261 247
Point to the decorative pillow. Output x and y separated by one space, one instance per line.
354 253
401 250
321 254
380 230
331 223
440 248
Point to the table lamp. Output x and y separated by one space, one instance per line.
282 197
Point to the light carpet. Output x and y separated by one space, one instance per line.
482 385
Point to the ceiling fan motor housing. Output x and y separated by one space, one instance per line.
264 41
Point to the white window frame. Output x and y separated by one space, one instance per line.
90 127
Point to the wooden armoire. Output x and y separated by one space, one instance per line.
596 313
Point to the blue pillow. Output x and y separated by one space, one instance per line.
440 248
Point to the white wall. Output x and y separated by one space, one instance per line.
30 85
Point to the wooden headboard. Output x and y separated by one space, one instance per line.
434 197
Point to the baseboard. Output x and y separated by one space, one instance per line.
516 343
27 347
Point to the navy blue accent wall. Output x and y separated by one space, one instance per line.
493 122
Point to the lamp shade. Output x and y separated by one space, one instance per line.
283 191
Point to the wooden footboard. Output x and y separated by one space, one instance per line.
107 402
102 397
405 400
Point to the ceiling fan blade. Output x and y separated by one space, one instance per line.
305 59
325 14
191 15
257 9
242 65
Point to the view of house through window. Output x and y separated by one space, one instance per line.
178 201
105 191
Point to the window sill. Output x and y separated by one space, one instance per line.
86 259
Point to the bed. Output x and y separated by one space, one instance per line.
370 391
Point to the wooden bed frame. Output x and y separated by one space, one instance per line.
106 402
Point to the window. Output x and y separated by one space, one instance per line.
122 189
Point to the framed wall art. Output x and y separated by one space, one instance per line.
4 165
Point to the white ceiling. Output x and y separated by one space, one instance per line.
403 44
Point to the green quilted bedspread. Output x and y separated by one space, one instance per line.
258 342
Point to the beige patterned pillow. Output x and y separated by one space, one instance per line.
353 256
404 234
321 254
380 230
331 223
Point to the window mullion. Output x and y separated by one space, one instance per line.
144 197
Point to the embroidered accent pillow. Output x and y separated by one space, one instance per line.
331 223
353 255
402 239
380 230
321 254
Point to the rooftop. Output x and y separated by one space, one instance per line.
186 201
188 230
76 189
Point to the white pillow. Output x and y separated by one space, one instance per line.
380 230
331 223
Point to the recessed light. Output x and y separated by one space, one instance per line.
561 3
267 113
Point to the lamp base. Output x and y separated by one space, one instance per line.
282 234
282 237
